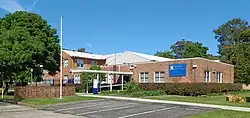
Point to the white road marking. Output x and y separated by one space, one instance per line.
192 109
86 106
147 112
105 110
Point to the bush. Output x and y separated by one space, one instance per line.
191 89
113 92
132 87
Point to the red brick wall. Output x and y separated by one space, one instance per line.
42 91
196 75
71 65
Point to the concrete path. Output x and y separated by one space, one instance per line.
245 109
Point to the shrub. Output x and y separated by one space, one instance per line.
191 89
132 87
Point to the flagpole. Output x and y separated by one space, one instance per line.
61 59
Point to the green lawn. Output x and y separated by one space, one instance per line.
45 101
211 99
221 114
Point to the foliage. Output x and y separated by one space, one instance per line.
166 54
228 34
87 78
132 87
234 47
185 49
194 50
191 89
26 42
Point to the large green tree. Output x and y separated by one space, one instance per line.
185 49
27 41
234 47
228 34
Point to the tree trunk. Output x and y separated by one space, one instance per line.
6 89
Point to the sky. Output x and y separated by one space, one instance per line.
146 26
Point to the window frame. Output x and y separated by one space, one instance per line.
144 77
220 77
65 79
207 78
78 78
78 62
64 65
159 77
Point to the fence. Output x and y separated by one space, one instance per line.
22 92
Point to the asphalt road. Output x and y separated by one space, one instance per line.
106 108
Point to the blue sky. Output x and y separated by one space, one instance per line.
147 26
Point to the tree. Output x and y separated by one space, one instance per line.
228 34
184 49
240 57
87 78
26 43
178 48
234 47
166 54
194 50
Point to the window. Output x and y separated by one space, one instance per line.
80 63
66 63
207 76
143 77
92 62
219 77
65 80
77 79
159 77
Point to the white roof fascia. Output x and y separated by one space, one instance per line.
100 71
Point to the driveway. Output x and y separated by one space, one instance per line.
107 108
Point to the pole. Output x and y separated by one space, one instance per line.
110 84
98 79
61 75
122 82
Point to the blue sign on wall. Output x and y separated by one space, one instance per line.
177 70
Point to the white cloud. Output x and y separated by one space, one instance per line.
11 5
88 44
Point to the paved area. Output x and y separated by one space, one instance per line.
244 109
107 108
17 111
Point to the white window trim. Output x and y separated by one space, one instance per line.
221 79
159 77
64 65
78 78
144 77
209 76
80 61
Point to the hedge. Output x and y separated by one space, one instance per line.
191 89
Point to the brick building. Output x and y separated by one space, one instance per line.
146 68
195 70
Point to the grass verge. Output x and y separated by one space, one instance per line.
209 99
217 98
46 101
221 114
